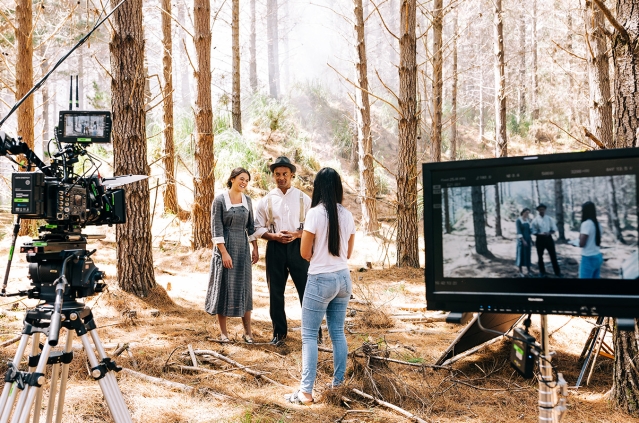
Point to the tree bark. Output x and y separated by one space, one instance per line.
438 61
44 68
168 155
479 223
133 238
24 81
253 50
453 100
498 231
535 81
368 191
625 56
273 49
204 177
613 209
521 89
625 379
407 247
185 89
559 213
236 109
481 121
598 76
501 140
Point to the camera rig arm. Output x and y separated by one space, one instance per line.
9 145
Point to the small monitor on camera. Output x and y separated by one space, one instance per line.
84 126
546 234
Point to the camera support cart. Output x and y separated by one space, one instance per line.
552 392
25 387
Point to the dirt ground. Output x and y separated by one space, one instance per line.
386 318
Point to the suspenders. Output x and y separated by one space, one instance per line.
270 223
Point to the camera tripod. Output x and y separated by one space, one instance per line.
25 387
47 319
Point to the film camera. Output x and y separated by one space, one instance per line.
67 199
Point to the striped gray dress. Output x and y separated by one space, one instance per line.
230 291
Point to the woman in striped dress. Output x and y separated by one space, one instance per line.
230 292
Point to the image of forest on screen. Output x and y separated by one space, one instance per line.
480 229
78 126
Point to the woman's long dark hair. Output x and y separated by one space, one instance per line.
327 190
589 212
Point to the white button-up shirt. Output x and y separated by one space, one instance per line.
286 211
543 224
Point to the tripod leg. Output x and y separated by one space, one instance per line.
63 378
38 401
107 383
599 342
10 389
23 408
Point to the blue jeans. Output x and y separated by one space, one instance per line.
325 293
590 266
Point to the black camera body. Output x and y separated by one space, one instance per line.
84 202
68 202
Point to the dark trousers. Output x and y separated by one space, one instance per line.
545 242
282 260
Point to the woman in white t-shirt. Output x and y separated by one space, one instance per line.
589 241
327 242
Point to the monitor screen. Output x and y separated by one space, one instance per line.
554 233
84 126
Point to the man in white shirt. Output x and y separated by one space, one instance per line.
279 219
543 227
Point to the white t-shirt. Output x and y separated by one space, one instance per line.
322 260
591 248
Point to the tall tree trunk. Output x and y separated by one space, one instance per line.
625 379
613 209
286 28
626 65
185 89
485 205
573 220
407 247
133 238
521 89
253 50
501 140
598 76
204 178
273 48
24 81
168 160
535 81
447 226
44 68
364 141
498 231
236 109
479 222
453 100
438 62
559 207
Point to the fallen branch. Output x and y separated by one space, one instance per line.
11 341
236 364
205 370
192 354
175 385
471 351
120 350
392 360
159 381
133 360
391 406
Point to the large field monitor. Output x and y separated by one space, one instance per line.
476 259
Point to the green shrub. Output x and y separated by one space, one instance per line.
232 150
